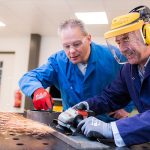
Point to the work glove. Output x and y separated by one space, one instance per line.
42 100
81 106
92 127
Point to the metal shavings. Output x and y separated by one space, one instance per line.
17 124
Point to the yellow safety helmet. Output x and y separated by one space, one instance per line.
138 18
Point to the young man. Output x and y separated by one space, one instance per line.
80 71
131 33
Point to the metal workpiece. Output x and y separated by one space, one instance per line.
42 116
79 141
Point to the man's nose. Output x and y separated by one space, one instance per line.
122 47
72 49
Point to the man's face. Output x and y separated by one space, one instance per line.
76 45
132 46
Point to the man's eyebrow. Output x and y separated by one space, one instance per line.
71 42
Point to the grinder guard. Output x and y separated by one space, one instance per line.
71 118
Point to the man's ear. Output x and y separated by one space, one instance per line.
89 38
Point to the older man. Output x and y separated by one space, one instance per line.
131 33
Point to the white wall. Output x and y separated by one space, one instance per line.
99 40
19 45
49 45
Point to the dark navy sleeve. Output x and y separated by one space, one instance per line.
136 129
113 97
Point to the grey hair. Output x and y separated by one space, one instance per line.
72 23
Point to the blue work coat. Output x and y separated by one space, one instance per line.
136 129
66 76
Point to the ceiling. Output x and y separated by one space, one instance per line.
23 17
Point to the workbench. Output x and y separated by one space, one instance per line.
74 142
37 131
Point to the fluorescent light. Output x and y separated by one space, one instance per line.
2 24
92 17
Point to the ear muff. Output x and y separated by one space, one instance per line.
146 33
144 12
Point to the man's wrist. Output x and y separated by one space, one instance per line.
117 137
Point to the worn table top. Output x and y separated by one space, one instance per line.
20 142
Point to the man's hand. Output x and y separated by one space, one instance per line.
92 127
82 106
118 114
42 100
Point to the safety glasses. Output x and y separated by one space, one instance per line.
74 45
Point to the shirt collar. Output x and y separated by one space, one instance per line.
147 62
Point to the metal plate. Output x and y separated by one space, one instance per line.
79 141
42 116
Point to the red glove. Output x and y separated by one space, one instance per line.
42 100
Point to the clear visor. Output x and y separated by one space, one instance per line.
124 46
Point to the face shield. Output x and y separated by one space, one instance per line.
124 47
125 37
